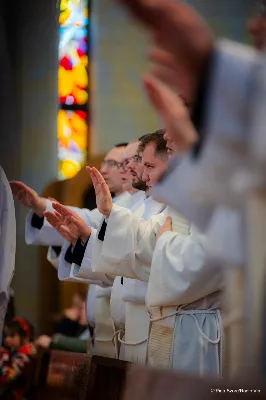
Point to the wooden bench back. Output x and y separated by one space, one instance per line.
68 376
63 375
144 383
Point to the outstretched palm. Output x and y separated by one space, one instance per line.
58 224
68 223
173 111
28 197
103 196
24 194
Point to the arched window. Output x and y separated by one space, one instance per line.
73 87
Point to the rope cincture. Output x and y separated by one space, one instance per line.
118 335
180 311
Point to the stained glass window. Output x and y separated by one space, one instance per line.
73 86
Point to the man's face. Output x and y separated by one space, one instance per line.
136 168
154 166
110 171
257 26
125 171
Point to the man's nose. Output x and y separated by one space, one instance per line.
145 177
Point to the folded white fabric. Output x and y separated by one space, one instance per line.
134 291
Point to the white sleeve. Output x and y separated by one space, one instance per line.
65 271
64 268
176 191
7 234
228 93
92 218
128 245
179 272
85 271
53 258
47 235
7 244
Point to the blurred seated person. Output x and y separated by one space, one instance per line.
16 356
80 343
74 322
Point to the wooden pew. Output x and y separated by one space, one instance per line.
67 376
107 379
62 375
144 383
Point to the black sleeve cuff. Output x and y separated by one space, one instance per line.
79 251
199 109
69 255
102 231
57 250
36 221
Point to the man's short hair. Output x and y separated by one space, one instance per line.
157 138
121 145
142 137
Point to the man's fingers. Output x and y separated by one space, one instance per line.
168 221
62 209
59 207
153 90
29 199
51 218
20 196
92 175
65 232
77 221
99 176
16 186
59 216
159 56
105 189
96 175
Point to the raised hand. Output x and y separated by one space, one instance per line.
103 196
179 31
43 341
166 227
173 111
77 227
62 211
67 234
68 223
53 219
62 229
28 197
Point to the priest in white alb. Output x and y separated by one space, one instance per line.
7 244
133 333
183 292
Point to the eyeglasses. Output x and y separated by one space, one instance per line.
124 163
110 164
137 159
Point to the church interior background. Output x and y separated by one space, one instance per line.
72 89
